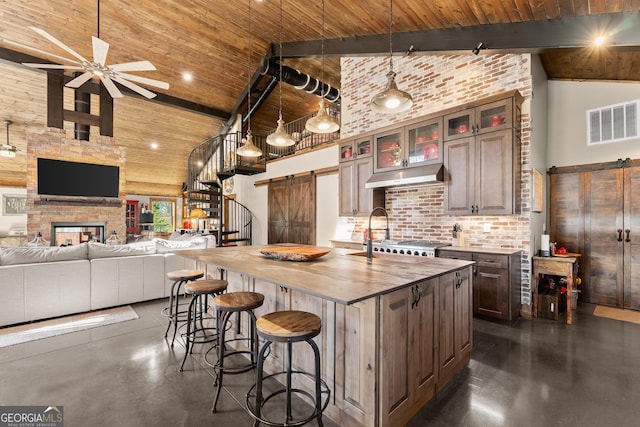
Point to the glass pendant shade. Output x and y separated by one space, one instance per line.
248 149
391 99
322 122
280 138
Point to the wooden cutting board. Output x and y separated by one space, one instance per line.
293 253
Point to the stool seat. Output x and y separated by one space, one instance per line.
238 301
185 275
289 325
207 286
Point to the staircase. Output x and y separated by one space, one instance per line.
214 161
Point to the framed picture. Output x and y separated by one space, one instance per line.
537 191
14 204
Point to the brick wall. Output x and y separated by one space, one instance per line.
437 83
54 144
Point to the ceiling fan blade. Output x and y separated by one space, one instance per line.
100 50
57 42
144 80
111 87
42 52
53 66
80 80
133 66
142 91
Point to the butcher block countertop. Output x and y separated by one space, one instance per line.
338 276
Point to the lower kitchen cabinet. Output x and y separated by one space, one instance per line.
409 346
425 338
496 284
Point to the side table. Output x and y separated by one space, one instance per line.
566 266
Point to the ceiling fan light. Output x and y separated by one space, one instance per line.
280 138
322 122
248 149
391 100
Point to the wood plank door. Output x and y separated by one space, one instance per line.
292 210
604 253
632 247
278 206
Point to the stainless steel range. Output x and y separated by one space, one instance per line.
408 247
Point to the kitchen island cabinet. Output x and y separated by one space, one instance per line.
497 280
381 339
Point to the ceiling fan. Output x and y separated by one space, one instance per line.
108 74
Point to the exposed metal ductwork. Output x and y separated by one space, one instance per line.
300 80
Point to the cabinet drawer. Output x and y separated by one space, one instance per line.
466 256
492 260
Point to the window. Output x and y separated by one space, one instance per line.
612 123
164 214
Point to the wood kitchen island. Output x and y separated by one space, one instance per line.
395 329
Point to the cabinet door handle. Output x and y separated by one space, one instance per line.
619 234
627 232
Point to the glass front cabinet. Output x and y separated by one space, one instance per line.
482 119
412 145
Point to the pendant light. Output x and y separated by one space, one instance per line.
280 138
248 149
322 122
391 99
7 150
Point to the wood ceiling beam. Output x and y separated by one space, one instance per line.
531 36
94 88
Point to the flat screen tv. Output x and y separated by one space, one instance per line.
62 178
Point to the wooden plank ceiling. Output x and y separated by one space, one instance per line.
210 40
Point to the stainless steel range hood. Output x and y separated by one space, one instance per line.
429 174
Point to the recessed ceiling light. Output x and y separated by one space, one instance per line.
187 77
599 41
154 145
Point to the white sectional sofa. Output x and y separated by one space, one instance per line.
39 283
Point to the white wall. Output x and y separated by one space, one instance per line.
12 222
568 103
255 198
539 130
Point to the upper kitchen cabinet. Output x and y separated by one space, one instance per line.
415 144
485 118
483 167
355 168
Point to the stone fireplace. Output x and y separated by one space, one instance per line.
44 210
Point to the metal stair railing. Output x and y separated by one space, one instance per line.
237 225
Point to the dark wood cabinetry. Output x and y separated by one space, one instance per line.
595 211
356 167
496 283
482 159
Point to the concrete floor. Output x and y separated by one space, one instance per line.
536 373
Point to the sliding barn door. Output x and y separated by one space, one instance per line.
292 210
631 238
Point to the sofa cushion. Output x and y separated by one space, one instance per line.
100 250
164 246
22 255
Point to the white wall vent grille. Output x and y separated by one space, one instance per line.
613 123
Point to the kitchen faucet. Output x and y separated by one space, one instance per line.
386 235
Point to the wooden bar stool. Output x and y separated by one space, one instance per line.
287 327
226 305
179 277
200 290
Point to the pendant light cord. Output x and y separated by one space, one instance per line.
98 19
249 76
280 62
390 35
322 84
